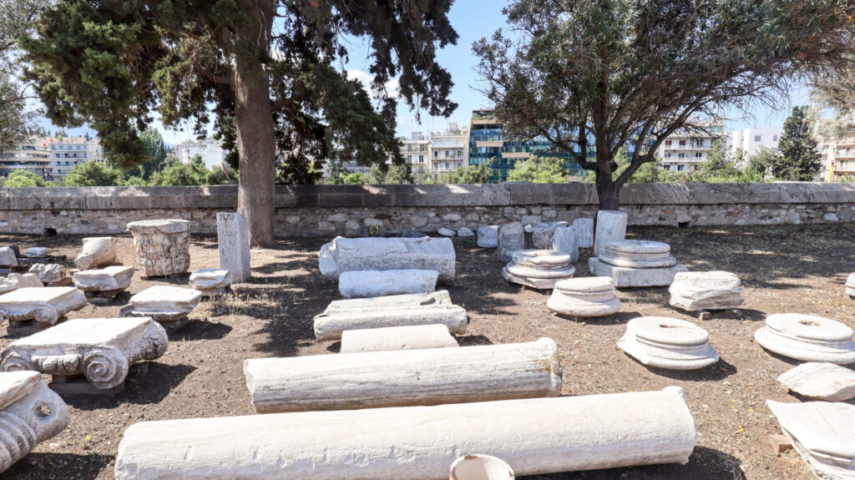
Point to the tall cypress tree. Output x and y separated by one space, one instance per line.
799 159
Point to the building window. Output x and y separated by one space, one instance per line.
775 138
421 159
682 143
667 143
679 168
757 138
699 154
410 158
446 165
681 155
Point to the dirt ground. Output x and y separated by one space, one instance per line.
800 269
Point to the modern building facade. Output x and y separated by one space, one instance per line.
33 155
416 151
449 150
686 151
750 140
838 159
210 150
68 152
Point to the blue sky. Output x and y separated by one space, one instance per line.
474 19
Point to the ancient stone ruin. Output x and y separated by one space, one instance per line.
166 305
348 254
538 268
636 263
162 246
668 343
807 338
584 297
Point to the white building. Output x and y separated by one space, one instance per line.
416 151
751 139
210 150
67 152
449 150
33 155
685 151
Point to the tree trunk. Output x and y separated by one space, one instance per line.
254 121
607 188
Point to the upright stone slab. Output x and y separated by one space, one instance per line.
414 337
392 311
536 436
376 283
584 228
348 254
488 236
162 246
100 349
823 434
97 252
8 258
611 227
233 240
564 241
30 413
807 338
511 238
821 380
541 237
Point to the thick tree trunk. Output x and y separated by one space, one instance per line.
254 120
607 189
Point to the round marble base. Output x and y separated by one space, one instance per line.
807 338
584 297
538 268
668 343
638 254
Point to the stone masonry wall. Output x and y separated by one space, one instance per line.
351 210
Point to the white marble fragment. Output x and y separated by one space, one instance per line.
510 238
564 241
37 252
481 467
233 245
850 286
584 228
488 236
637 254
668 343
433 376
538 268
413 337
30 413
101 349
347 254
45 305
446 232
97 252
465 232
807 338
611 227
108 279
541 236
821 380
536 436
14 281
376 283
390 311
162 303
584 297
211 281
823 433
49 272
8 258
693 291
162 247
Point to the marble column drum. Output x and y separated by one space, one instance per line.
807 338
539 269
636 263
162 247
584 297
668 343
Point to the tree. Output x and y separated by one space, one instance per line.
470 174
155 153
539 170
799 159
597 76
278 95
179 173
762 161
93 174
394 175
355 178
24 178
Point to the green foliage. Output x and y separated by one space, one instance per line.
355 178
155 153
178 173
135 182
93 174
470 174
799 159
539 170
23 178
393 175
222 176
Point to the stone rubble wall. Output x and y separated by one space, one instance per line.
350 210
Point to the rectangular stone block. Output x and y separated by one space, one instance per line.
635 277
233 243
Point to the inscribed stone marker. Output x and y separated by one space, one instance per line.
233 240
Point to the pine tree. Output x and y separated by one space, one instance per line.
799 159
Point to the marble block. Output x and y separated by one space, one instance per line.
584 297
348 254
635 277
412 337
611 227
376 283
488 236
536 436
584 228
30 413
637 254
167 305
541 236
807 338
97 252
14 281
37 252
850 286
693 291
564 241
390 311
465 232
510 239
446 232
538 268
104 284
821 380
162 247
100 349
668 343
822 433
50 273
233 245
211 282
8 257
44 306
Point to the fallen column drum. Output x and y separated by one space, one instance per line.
534 436
436 376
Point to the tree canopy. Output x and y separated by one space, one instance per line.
597 76
539 170
93 174
799 158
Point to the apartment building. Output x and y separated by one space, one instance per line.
750 140
449 150
416 151
838 159
210 150
68 152
685 151
33 155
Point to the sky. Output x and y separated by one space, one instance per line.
473 19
